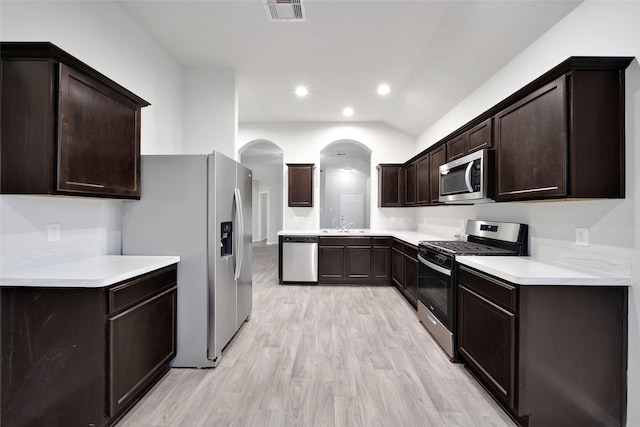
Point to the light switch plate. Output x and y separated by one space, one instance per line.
53 232
582 236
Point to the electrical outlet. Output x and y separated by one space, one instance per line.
54 232
582 236
392 219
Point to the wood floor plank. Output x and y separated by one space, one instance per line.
322 356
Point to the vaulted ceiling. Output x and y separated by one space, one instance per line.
432 54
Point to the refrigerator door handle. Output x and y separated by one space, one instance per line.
239 233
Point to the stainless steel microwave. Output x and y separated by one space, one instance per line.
468 180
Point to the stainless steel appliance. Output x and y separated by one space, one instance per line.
198 207
468 179
300 259
437 272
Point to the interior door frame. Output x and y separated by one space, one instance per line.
263 210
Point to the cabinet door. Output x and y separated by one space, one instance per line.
331 263
389 186
381 263
99 145
436 158
422 184
300 185
142 340
531 143
486 341
481 136
358 262
410 184
411 278
52 357
397 268
457 147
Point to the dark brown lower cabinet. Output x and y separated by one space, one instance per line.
404 269
53 357
353 260
397 264
84 356
141 347
411 273
381 259
358 262
550 355
487 341
330 262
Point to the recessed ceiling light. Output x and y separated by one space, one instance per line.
383 90
348 111
301 91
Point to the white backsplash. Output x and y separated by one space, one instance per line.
613 260
89 227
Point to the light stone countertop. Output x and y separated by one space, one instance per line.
412 237
530 271
93 272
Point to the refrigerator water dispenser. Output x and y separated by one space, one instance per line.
226 231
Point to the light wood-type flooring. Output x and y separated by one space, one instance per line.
322 356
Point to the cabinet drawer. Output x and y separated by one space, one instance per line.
498 292
344 241
381 241
397 244
411 251
131 292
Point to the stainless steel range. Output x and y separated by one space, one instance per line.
436 273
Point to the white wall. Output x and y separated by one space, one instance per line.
88 227
303 142
105 37
102 35
210 111
593 28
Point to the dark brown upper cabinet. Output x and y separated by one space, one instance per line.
66 128
532 140
422 167
390 185
301 185
437 158
477 138
565 138
410 182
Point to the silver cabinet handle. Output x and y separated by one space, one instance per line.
531 190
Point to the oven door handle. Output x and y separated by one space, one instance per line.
434 266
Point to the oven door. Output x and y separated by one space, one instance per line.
435 286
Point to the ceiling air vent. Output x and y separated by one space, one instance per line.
285 10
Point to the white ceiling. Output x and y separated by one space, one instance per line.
431 53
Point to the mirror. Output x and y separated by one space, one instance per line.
345 185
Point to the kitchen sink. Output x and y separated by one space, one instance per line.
357 231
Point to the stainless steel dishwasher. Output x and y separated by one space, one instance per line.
300 259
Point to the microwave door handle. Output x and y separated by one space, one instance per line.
467 177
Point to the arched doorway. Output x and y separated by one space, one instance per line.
345 185
265 159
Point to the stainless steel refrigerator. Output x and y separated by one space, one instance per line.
197 207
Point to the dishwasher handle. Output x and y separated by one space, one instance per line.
300 239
